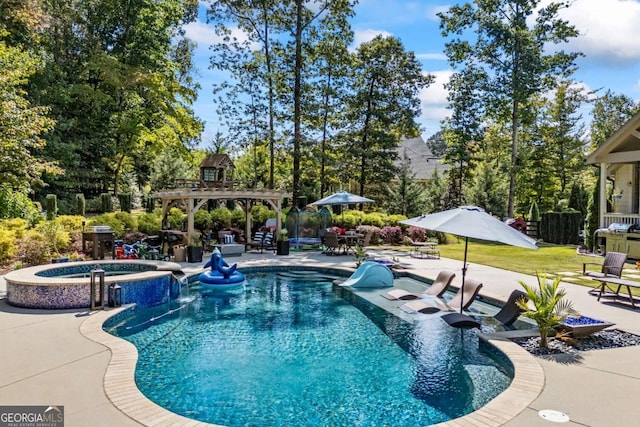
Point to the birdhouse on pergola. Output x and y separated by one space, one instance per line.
216 170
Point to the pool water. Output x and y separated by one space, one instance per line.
285 352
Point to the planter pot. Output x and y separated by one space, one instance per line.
194 253
282 247
180 254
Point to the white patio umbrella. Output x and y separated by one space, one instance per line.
342 198
472 222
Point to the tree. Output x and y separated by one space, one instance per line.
488 190
382 108
22 126
405 195
434 192
507 63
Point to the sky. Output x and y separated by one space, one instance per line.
608 39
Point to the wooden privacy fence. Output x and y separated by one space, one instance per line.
561 227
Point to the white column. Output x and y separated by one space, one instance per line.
603 193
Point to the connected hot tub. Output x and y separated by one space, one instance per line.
67 285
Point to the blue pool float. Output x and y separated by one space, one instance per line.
221 275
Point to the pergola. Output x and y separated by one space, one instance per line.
195 198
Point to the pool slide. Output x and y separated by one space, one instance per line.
370 275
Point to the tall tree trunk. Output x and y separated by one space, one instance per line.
297 137
272 133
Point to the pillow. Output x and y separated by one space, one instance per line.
229 238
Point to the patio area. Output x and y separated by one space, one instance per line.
47 361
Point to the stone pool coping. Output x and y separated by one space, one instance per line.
122 391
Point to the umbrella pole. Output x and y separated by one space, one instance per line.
464 271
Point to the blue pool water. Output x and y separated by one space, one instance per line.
281 352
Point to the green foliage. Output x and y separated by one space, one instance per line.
70 223
176 218
434 192
374 218
393 219
150 223
108 219
549 305
125 202
592 220
150 204
55 236
51 206
359 255
238 218
405 195
488 190
22 126
202 220
16 204
7 244
169 166
260 214
221 217
17 226
127 220
79 204
34 249
106 203
534 213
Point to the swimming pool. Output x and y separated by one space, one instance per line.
288 352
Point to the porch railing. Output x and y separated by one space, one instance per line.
620 218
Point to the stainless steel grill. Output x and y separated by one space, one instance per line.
624 228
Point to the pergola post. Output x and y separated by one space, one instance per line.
603 194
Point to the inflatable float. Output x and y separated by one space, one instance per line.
221 275
370 275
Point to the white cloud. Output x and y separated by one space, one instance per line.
432 56
204 34
608 29
434 98
364 36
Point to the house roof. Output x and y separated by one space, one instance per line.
217 161
422 161
621 147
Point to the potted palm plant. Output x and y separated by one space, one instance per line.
282 244
549 305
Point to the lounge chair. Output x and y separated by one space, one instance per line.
610 268
510 310
437 288
460 299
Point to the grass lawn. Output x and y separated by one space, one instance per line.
549 259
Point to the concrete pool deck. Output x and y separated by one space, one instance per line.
46 360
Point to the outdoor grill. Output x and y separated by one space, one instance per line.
620 227
619 237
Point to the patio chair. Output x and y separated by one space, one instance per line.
437 288
611 268
510 310
331 244
460 299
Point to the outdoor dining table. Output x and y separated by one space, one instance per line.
421 249
349 241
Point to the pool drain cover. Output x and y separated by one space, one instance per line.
554 416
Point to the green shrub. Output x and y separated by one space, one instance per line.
260 214
150 223
125 202
394 219
79 204
51 206
222 217
70 223
34 249
17 226
374 218
106 203
238 218
7 244
108 219
202 220
54 235
128 221
15 204
176 219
